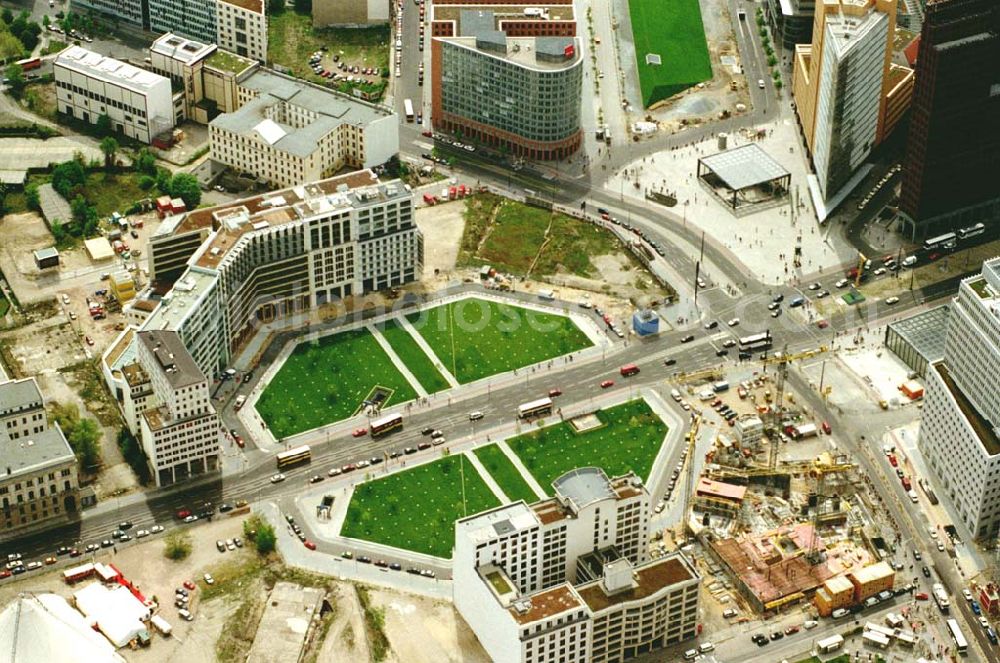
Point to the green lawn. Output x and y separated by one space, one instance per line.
113 192
416 509
505 474
326 381
673 30
414 357
292 39
491 338
509 235
629 440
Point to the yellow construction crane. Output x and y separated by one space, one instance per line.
692 438
708 373
782 359
862 259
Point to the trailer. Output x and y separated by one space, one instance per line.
941 597
833 643
875 638
429 199
161 625
803 431
78 573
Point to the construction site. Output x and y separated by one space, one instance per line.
780 515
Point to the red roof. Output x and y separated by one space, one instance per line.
911 51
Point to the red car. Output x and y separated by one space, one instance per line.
424 445
188 585
893 461
822 324
427 134
555 392
350 467
791 630
309 544
359 432
5 573
826 427
239 441
934 256
182 514
921 596
607 383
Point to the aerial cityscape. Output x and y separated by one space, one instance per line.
425 331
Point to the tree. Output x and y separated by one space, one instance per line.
109 146
85 440
275 6
145 162
185 186
45 21
7 15
67 176
15 80
103 126
261 532
163 181
31 197
177 545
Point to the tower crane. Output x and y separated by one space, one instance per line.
692 438
773 419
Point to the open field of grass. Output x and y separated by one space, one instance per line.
475 338
326 381
414 357
416 509
292 39
505 474
510 235
629 440
673 30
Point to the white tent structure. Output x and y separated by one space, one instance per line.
44 627
116 612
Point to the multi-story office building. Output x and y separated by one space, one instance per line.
89 85
791 21
237 26
241 28
960 430
508 76
38 471
953 148
349 12
168 397
194 19
568 579
848 94
273 256
288 131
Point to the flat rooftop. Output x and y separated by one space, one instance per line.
745 166
181 49
174 308
584 486
489 525
229 62
503 12
925 331
294 204
29 455
95 65
545 604
172 357
18 395
650 578
984 430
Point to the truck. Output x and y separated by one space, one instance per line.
803 431
161 625
941 597
429 199
720 386
928 491
833 643
408 109
547 295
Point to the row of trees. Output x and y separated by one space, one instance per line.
24 31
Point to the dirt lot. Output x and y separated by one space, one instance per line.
442 226
144 564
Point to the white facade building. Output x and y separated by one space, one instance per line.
89 85
960 430
850 91
38 470
241 28
273 256
287 131
179 429
567 579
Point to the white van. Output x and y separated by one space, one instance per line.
706 647
185 615
475 416
676 395
909 261
913 496
707 395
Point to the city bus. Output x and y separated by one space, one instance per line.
971 231
295 456
761 341
535 408
961 646
628 369
408 107
940 241
387 424
29 63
